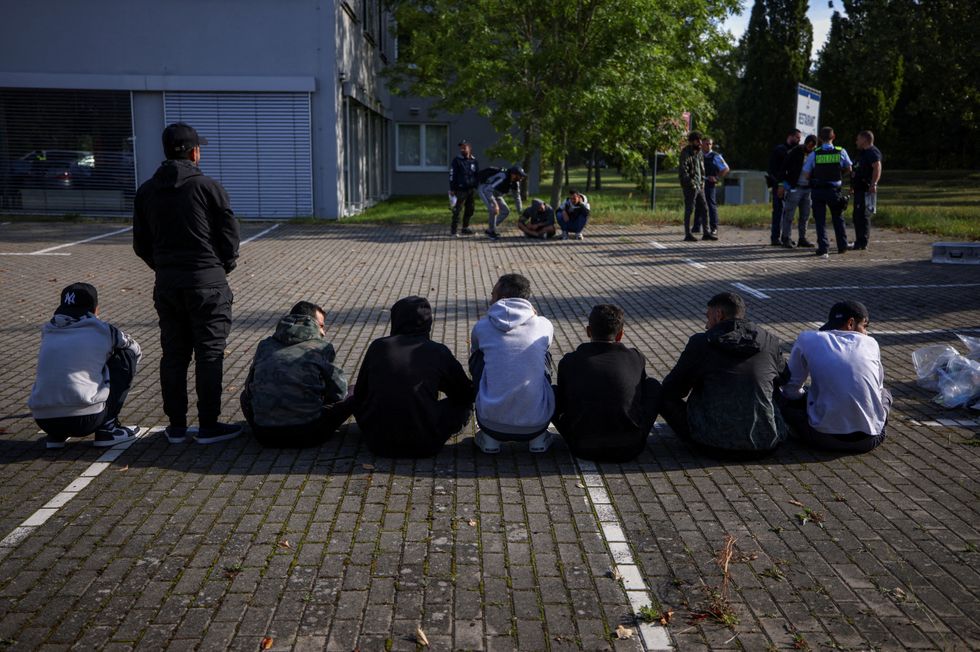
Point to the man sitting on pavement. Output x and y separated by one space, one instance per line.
730 372
294 396
511 366
538 221
85 368
573 215
605 404
396 397
847 405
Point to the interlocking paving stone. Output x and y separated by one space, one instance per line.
173 547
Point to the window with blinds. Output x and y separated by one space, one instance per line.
66 151
259 148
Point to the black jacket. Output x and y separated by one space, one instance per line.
605 404
731 373
184 228
776 161
462 174
792 166
396 397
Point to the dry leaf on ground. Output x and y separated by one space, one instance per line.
285 544
420 637
666 616
472 522
796 502
623 633
266 643
367 467
615 574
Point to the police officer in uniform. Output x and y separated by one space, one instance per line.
462 186
185 231
715 170
824 168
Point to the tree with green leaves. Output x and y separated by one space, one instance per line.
773 57
558 75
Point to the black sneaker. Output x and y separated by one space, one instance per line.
467 231
842 250
859 247
697 230
788 244
820 252
775 242
690 238
54 443
217 433
115 434
709 236
176 434
452 233
804 243
493 234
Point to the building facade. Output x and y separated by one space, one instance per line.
290 96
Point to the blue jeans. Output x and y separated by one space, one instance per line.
711 221
797 197
824 198
576 220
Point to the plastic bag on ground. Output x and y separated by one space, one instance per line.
928 361
972 345
959 382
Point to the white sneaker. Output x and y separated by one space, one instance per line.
579 236
106 437
542 442
486 443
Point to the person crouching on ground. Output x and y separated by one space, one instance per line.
85 368
847 405
511 367
573 215
396 397
538 221
295 396
730 372
604 403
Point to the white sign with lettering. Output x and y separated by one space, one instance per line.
807 109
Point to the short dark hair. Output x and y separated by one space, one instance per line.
731 304
514 286
573 191
810 139
826 134
793 132
694 135
868 135
606 321
307 308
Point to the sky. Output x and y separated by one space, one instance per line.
819 14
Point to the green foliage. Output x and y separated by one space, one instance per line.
905 69
555 75
760 101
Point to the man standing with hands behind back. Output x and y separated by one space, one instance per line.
185 231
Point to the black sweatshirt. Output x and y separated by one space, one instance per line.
396 397
184 228
605 404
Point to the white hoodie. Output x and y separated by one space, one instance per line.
514 394
72 378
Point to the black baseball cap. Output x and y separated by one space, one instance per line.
463 142
180 138
78 299
844 310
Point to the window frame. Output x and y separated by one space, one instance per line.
422 145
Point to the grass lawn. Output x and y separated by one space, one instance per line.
945 203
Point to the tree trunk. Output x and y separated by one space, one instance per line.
526 163
567 184
556 179
598 170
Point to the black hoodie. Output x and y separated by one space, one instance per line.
184 228
396 397
731 372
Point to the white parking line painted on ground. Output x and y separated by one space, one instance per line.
657 245
939 331
41 516
871 287
78 242
261 233
752 292
26 253
611 529
948 423
695 264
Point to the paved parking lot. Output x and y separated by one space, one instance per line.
182 547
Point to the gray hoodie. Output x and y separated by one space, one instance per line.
72 378
510 360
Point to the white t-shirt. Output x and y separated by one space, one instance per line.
847 381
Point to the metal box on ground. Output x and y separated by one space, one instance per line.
956 253
744 187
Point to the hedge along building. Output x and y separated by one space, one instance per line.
289 95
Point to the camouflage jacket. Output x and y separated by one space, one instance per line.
691 168
293 375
